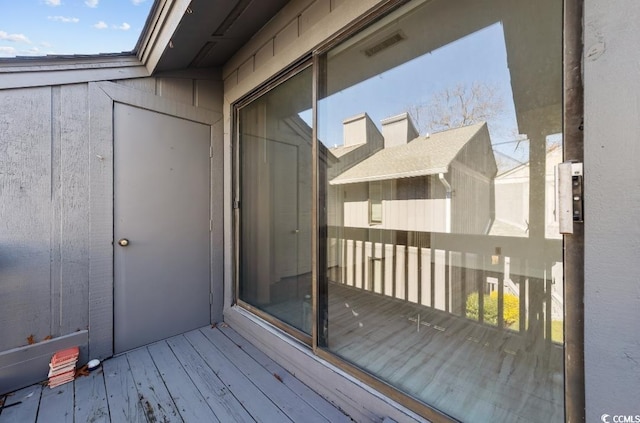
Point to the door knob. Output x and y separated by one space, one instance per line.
123 242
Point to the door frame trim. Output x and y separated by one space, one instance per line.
573 116
102 96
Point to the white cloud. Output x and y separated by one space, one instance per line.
7 51
101 25
63 19
137 2
124 27
46 44
52 3
92 3
18 38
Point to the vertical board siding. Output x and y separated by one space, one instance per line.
208 94
313 14
56 202
25 215
73 169
55 213
143 84
294 31
177 89
101 229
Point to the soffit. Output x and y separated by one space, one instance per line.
213 30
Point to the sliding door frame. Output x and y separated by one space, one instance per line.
572 109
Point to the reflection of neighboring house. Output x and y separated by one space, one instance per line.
512 199
440 183
409 190
512 216
436 183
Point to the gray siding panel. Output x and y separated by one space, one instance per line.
23 366
25 217
177 89
101 229
142 84
56 202
73 169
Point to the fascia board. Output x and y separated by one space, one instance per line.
56 71
160 30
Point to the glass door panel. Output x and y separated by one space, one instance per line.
275 212
439 130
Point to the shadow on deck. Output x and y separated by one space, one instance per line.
206 375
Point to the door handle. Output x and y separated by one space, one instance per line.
123 242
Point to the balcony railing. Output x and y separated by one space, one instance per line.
511 283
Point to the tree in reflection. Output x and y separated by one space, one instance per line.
457 106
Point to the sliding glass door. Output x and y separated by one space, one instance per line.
275 213
440 275
444 268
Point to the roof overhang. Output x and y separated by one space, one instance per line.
178 35
423 156
390 176
182 34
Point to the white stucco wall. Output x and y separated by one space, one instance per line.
612 207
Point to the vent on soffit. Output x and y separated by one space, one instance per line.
387 42
202 54
231 18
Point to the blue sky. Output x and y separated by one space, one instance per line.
41 27
478 57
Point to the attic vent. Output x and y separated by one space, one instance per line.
231 18
202 54
386 43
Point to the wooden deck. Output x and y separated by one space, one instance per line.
207 375
458 366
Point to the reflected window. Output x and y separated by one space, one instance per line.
375 202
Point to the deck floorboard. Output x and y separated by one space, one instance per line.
296 410
224 404
124 405
56 405
305 393
255 401
189 400
206 375
26 408
90 398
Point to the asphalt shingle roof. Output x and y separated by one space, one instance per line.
422 156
